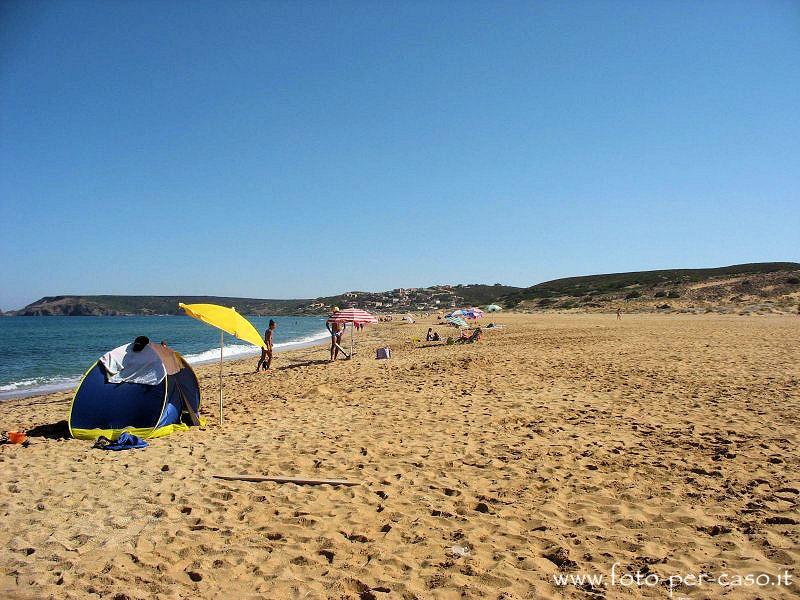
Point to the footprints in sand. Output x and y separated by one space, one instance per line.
355 537
557 447
560 558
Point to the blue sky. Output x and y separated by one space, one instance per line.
288 149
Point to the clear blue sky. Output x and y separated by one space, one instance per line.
295 149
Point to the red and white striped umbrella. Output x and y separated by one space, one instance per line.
352 315
356 316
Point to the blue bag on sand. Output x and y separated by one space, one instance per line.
126 441
383 353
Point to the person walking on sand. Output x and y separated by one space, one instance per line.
619 314
266 352
337 330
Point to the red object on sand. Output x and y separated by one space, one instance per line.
16 437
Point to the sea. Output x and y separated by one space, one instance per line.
46 354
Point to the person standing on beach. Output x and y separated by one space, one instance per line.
266 351
619 314
337 330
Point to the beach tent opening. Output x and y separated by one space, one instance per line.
149 391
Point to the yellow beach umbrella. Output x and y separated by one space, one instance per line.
227 320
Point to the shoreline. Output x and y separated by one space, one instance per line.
72 382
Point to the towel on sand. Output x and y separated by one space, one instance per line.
126 441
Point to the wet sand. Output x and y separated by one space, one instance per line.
560 444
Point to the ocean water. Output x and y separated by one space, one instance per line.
43 354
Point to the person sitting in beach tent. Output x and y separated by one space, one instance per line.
145 389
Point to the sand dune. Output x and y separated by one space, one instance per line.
559 444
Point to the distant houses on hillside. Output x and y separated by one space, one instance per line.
430 299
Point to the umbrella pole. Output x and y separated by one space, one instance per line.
221 346
352 326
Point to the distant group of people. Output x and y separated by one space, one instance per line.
336 330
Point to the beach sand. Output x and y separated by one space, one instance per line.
558 444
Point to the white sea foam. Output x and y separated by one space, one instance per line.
233 351
36 386
304 341
230 351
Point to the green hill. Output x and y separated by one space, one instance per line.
759 287
394 300
736 284
148 305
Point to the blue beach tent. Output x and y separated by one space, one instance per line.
146 389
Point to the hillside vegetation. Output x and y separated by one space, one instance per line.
402 300
754 287
144 305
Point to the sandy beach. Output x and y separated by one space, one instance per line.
558 444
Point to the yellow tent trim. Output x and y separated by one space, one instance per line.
142 432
